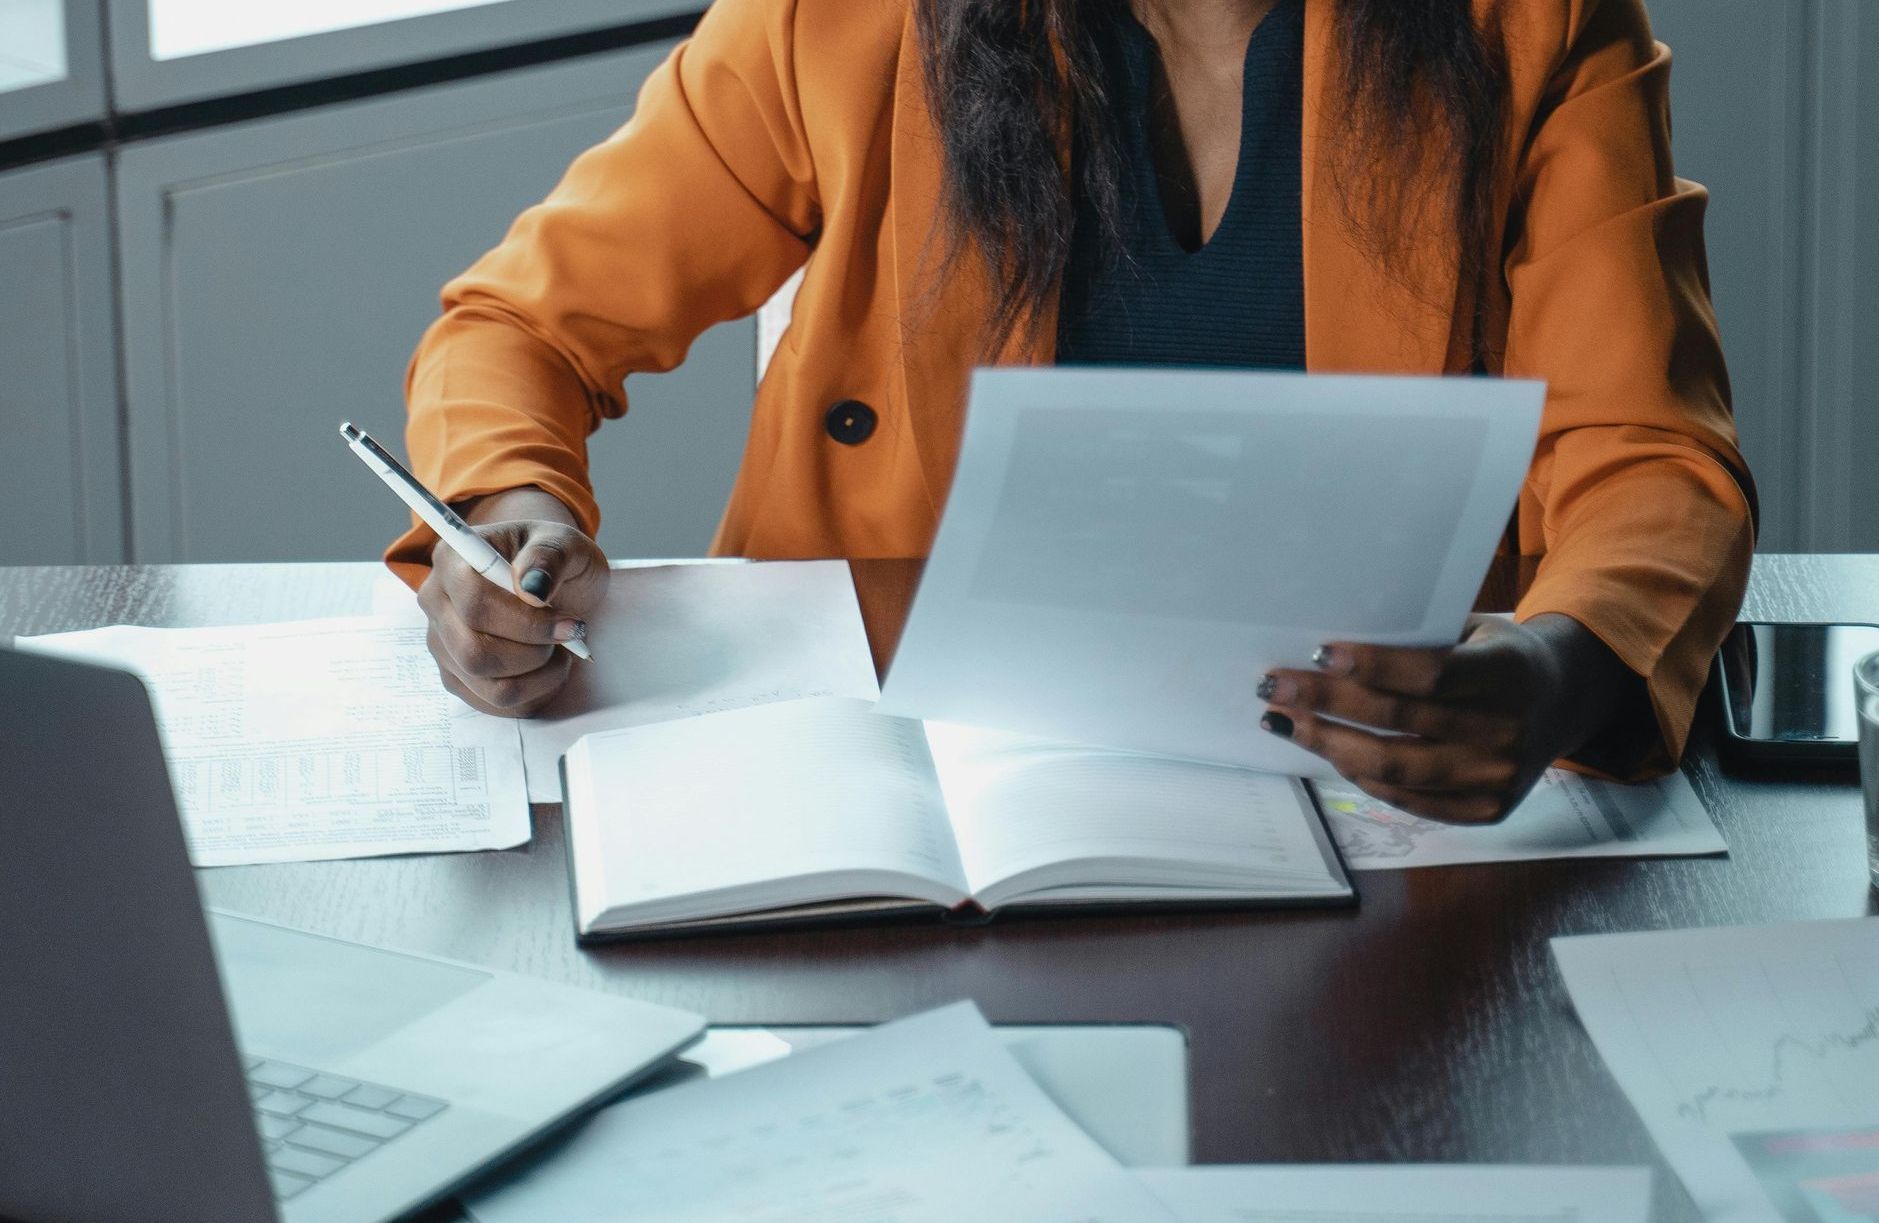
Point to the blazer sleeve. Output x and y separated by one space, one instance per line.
1638 500
692 213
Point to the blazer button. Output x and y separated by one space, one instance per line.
851 422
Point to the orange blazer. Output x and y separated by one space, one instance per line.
793 132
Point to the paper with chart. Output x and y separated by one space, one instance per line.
317 739
1752 1054
926 1120
1566 816
1125 552
673 641
1402 1193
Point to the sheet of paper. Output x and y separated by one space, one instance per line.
1125 552
674 641
927 1120
1566 816
1402 1193
317 739
1751 1053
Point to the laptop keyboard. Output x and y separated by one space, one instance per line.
314 1124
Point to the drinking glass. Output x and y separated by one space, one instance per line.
1866 691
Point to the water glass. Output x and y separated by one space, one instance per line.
1866 692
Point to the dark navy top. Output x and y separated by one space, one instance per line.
1240 299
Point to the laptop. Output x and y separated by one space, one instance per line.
309 1079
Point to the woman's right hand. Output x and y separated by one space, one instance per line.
497 649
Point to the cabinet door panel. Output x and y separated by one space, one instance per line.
278 274
166 52
61 481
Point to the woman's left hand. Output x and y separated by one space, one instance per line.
1460 733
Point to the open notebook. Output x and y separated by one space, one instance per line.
823 809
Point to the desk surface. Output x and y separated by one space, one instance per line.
1428 1024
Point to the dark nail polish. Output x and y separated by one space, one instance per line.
1322 657
535 583
1278 724
1267 687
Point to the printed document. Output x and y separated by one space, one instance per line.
1751 1053
1566 816
927 1120
317 739
1125 552
674 641
1402 1193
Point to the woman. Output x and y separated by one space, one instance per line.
1406 186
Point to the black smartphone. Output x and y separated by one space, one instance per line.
1787 691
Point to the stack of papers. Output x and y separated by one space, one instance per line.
334 738
931 1119
679 640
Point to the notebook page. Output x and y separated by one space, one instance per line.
676 812
926 1120
1019 804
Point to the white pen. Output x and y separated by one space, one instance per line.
449 525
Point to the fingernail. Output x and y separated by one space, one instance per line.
1267 686
1278 724
535 583
570 630
1330 659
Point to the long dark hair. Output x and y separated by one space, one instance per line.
1016 85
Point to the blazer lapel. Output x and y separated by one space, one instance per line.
1360 316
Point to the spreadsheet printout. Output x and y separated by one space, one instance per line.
317 739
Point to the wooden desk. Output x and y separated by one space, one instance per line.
1429 1024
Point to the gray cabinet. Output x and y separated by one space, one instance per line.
51 65
61 492
276 275
165 52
